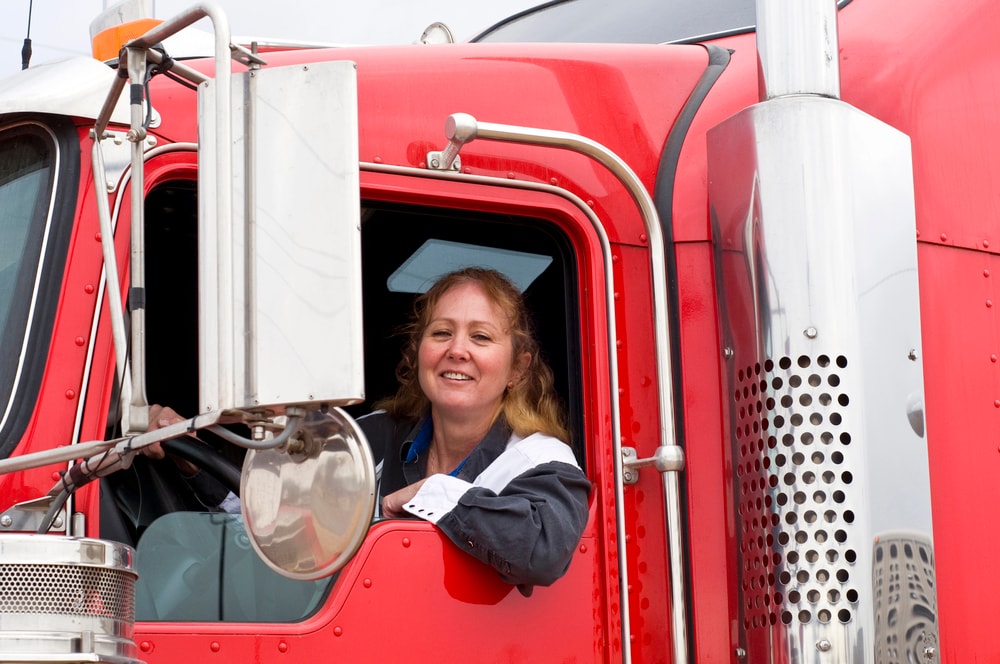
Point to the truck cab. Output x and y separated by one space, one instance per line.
763 289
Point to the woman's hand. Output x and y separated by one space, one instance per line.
392 505
159 417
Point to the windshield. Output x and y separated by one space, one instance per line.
626 21
27 156
623 21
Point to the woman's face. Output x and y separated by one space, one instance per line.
465 359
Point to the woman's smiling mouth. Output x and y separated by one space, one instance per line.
453 375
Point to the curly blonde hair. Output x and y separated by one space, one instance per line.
531 404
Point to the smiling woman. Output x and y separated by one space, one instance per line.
466 363
473 440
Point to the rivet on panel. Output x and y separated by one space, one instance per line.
406 541
989 303
510 176
590 204
583 548
996 403
88 289
554 182
146 646
993 357
338 631
986 244
79 341
944 237
215 646
367 583
377 160
70 394
97 236
810 332
282 646
56 475
986 272
643 238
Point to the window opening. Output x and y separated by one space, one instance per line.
397 240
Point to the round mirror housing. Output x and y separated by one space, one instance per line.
307 504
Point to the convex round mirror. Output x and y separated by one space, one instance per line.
307 505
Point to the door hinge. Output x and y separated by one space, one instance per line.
666 459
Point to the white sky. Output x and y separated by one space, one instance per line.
60 28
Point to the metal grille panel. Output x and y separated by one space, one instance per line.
66 599
795 484
67 590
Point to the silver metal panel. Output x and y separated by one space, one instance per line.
812 203
797 48
76 87
295 278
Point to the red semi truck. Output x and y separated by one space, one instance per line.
760 245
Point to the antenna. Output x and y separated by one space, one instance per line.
26 49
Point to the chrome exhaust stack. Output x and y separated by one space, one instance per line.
813 214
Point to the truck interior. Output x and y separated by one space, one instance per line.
404 247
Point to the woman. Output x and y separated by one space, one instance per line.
472 440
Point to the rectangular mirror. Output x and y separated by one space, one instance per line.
280 282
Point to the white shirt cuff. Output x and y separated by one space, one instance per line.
436 497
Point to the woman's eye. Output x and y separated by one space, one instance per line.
440 334
480 337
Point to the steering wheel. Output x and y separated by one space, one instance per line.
207 459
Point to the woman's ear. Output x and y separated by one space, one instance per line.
521 364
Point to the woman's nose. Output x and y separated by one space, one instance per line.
458 349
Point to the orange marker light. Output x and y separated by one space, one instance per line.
106 44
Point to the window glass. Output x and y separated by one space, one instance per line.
624 21
26 180
435 258
199 566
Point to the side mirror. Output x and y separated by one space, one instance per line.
279 262
307 504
